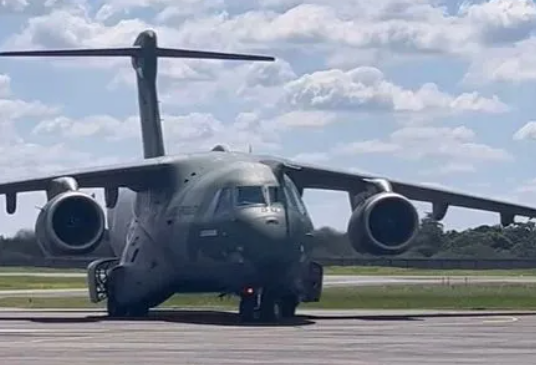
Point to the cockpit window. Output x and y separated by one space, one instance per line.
250 195
224 204
275 194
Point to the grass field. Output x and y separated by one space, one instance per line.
395 271
345 270
498 296
33 282
37 269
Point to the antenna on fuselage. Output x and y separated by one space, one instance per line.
144 54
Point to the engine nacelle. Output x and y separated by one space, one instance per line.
384 224
70 223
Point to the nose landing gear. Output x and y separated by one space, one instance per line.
264 305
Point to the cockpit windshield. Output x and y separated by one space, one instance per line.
250 195
275 194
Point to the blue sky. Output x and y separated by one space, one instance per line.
427 91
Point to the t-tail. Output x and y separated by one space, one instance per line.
144 54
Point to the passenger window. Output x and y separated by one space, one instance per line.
250 195
224 202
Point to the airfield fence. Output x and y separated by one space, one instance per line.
468 264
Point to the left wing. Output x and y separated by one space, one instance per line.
313 177
137 175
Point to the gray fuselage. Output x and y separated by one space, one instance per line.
220 223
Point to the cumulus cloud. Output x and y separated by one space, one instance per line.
367 89
516 64
19 156
455 145
312 157
182 133
5 88
12 109
501 21
528 131
370 146
36 7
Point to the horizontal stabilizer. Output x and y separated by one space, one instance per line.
136 51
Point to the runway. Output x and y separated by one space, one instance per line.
316 337
329 281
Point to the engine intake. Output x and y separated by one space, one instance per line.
71 223
384 224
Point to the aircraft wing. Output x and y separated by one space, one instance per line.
137 174
313 177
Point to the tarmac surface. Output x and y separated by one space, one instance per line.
57 337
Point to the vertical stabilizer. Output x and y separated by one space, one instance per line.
144 54
146 66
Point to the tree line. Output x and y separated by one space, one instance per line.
433 241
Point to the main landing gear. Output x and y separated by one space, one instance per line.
102 280
265 305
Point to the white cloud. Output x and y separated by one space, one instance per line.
501 21
191 132
5 88
511 25
528 186
509 64
35 7
451 168
366 89
455 145
302 119
371 146
528 131
312 157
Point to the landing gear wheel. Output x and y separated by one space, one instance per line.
288 306
114 309
138 311
248 304
270 308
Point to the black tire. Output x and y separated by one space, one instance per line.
114 309
270 308
289 304
138 311
247 308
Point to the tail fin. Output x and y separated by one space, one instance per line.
144 55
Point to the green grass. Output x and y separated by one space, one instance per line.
344 270
498 296
392 271
38 269
32 282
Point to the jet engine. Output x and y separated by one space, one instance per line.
383 224
70 223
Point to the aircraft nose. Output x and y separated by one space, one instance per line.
270 227
263 232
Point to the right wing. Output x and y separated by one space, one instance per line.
307 176
139 175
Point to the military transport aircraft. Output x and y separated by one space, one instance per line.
216 221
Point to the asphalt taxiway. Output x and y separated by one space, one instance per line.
58 337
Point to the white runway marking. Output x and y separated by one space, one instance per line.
501 320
